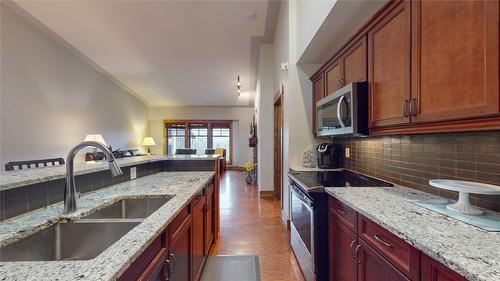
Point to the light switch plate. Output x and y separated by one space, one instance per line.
347 152
133 173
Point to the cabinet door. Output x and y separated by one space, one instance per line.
435 271
389 68
318 86
454 59
198 239
373 267
355 63
157 270
179 256
209 221
342 242
334 77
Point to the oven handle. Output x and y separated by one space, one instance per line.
301 196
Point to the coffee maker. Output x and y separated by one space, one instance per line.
329 156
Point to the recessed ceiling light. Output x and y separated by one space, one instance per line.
252 15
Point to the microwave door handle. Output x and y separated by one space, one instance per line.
339 116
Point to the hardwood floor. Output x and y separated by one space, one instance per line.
252 225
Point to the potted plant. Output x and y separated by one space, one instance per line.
249 168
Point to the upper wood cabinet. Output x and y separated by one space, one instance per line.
454 59
349 67
389 68
318 87
354 62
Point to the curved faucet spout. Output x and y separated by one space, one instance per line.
70 189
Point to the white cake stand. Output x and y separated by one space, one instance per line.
464 188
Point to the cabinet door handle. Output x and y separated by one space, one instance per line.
353 253
413 110
166 270
171 263
342 212
357 254
404 108
205 207
382 241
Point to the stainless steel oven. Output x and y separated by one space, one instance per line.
344 112
302 231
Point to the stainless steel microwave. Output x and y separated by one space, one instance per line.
344 112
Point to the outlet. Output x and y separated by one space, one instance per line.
347 152
133 173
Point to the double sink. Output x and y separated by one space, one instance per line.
86 238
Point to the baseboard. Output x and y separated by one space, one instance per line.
285 220
235 168
266 193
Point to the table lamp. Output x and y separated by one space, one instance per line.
148 141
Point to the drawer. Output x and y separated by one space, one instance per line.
344 213
400 254
198 198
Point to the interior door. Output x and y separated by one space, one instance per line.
455 59
278 147
389 68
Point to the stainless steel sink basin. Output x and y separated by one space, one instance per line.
67 241
137 208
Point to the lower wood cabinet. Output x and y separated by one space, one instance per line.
371 253
180 252
435 271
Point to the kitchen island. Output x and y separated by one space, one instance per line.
180 187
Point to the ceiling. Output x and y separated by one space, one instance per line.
167 53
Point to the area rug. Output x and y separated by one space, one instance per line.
231 268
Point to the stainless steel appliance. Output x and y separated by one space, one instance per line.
344 112
309 215
329 156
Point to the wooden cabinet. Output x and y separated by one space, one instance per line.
209 219
454 60
367 252
343 265
354 62
373 267
389 68
198 253
435 271
333 77
151 264
349 67
318 93
180 251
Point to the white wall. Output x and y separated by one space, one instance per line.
265 115
241 117
310 15
51 97
297 100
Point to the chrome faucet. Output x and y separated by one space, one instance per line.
70 189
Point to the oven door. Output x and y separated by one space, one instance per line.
302 230
333 114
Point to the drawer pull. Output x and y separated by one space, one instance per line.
353 253
342 212
382 241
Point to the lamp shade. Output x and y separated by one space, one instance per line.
148 141
95 137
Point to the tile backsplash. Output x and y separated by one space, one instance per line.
414 160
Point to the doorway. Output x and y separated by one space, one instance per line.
278 145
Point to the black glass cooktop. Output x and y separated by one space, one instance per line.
342 178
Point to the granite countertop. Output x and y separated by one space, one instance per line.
12 179
180 186
468 250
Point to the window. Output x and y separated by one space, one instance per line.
199 135
176 137
221 138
